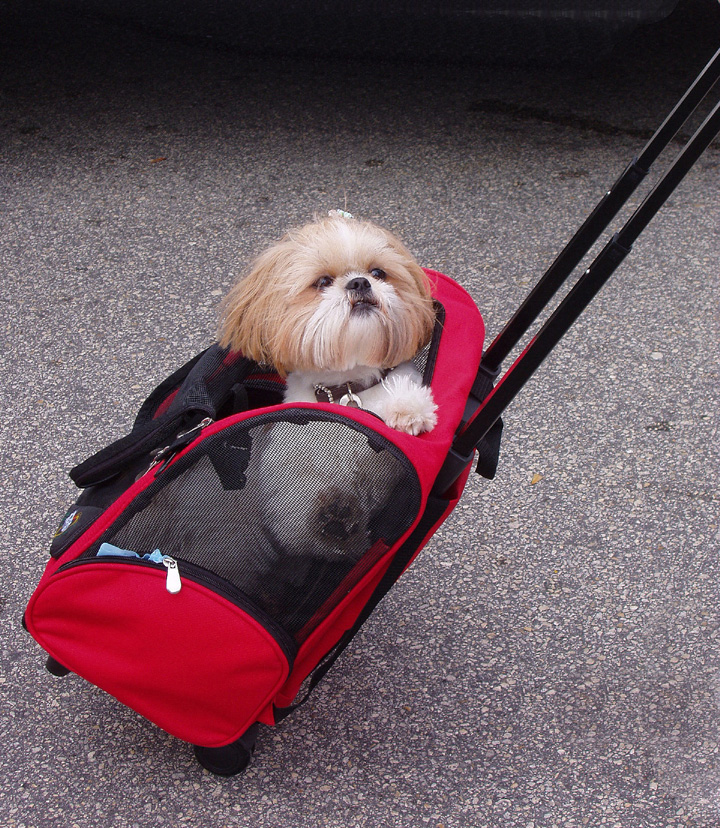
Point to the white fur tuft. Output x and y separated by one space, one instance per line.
410 407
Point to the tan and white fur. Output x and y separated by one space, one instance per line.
339 301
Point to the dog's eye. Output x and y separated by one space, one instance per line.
378 273
323 282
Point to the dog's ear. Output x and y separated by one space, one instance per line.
249 311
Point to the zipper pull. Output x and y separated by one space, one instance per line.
173 584
162 456
199 427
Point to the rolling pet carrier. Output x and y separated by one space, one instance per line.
223 554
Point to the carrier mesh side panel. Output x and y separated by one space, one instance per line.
194 392
292 512
209 381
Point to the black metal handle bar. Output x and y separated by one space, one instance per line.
578 298
598 220
586 288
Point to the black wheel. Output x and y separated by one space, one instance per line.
230 759
55 667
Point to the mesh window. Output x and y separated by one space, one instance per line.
292 512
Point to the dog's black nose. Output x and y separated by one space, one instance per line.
359 285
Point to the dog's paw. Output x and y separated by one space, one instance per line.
410 407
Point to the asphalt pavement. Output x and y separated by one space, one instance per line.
551 658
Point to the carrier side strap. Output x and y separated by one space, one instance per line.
488 449
197 390
435 508
111 460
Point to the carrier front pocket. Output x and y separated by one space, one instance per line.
202 662
190 599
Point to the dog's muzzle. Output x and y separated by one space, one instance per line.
360 294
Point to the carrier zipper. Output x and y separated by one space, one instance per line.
203 577
173 584
163 456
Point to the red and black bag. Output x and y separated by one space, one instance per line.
230 542
224 552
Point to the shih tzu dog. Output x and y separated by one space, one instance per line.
287 510
339 307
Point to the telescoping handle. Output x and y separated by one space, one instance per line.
588 285
599 219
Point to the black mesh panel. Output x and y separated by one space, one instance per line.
292 512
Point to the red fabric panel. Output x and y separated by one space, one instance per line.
193 663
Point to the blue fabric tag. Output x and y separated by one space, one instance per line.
107 549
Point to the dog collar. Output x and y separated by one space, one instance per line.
345 394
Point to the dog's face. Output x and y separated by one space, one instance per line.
330 296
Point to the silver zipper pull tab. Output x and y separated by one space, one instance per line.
199 427
173 584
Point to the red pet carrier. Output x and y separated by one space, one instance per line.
222 554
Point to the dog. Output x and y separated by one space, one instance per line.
339 307
288 510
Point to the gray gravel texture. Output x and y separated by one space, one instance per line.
551 659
